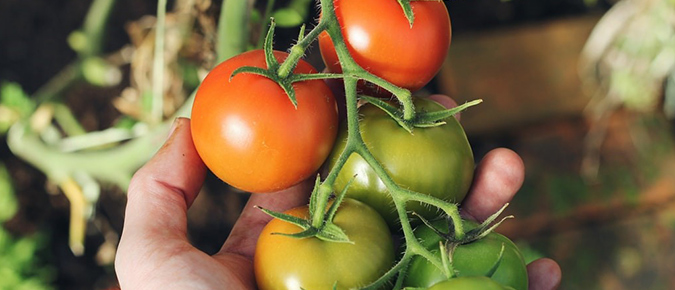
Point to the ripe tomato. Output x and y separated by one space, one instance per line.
248 132
469 283
380 39
282 262
472 259
437 161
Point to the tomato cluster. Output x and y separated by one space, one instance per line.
251 134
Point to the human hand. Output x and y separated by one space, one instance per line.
155 253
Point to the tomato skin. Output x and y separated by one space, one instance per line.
288 263
473 259
468 283
248 132
380 39
436 161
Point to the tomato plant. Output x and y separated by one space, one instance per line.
381 40
251 136
283 262
437 161
469 283
471 259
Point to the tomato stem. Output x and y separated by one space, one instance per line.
298 50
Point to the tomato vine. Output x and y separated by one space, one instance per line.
319 221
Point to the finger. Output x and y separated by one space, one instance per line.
497 179
544 274
162 190
244 234
446 101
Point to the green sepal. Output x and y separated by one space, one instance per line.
435 118
433 228
252 70
272 63
287 86
330 232
394 112
308 233
338 200
486 227
313 197
494 267
301 34
407 10
302 223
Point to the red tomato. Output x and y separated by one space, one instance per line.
380 39
248 132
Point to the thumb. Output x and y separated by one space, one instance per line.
161 192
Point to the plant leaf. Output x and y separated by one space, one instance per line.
288 17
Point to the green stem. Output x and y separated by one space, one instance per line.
298 50
233 29
94 26
156 110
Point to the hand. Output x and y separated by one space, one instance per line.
154 252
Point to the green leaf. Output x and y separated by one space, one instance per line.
288 17
8 203
13 97
294 14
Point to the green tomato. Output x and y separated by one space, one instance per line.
469 283
472 259
282 262
437 161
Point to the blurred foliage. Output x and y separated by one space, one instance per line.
14 105
20 265
630 54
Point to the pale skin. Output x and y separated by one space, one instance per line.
155 253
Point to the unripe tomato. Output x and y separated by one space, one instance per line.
380 40
469 283
282 262
437 161
472 259
248 132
